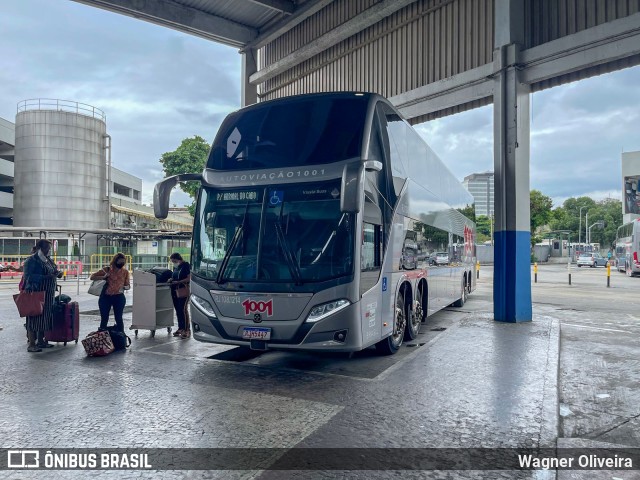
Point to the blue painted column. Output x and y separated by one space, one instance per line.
512 238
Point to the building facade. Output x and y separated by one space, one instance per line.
480 185
56 135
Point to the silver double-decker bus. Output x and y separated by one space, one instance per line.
627 248
314 226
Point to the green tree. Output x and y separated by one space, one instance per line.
540 209
469 211
189 157
608 210
567 217
483 228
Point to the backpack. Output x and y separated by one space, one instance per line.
121 340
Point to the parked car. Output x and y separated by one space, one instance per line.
439 258
591 260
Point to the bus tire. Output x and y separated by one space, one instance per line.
392 343
415 318
463 295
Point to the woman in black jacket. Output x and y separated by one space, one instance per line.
40 274
180 294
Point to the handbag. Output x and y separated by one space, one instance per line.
121 340
96 287
98 344
30 304
183 291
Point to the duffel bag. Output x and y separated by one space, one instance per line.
121 340
98 344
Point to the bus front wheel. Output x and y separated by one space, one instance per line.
392 343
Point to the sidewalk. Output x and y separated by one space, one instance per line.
467 382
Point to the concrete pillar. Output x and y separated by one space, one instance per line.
249 67
512 246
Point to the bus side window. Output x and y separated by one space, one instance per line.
371 256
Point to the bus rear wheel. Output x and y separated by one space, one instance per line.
418 316
392 343
463 295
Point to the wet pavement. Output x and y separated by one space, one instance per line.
466 382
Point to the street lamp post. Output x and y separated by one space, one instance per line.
491 225
599 224
586 224
580 227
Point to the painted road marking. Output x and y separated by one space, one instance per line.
594 328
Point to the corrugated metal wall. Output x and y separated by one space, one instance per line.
422 43
548 20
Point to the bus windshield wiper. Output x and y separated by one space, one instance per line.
232 247
288 256
227 256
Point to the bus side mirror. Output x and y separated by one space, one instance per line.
162 192
351 188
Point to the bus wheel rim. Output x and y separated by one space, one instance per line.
398 329
417 317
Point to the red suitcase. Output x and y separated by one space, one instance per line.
66 324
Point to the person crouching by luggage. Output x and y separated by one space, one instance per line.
180 294
117 278
40 274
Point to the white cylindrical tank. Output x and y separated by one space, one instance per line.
60 166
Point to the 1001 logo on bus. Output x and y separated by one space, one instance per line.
251 306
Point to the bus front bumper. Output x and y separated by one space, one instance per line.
318 336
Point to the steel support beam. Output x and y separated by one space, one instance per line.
300 15
512 237
349 28
283 6
598 45
580 51
249 92
179 17
465 87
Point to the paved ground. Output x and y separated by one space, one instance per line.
600 356
466 382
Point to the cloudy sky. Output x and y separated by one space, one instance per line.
158 86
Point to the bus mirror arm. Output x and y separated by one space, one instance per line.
352 187
373 166
162 192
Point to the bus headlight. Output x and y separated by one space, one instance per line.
202 305
323 311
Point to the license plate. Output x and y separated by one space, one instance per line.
256 333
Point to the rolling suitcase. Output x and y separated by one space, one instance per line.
66 323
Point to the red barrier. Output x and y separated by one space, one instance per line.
12 271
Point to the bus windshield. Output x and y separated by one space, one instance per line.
287 234
307 131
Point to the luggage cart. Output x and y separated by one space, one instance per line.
152 304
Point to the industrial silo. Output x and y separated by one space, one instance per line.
60 166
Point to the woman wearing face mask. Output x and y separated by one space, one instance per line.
112 295
40 274
180 294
